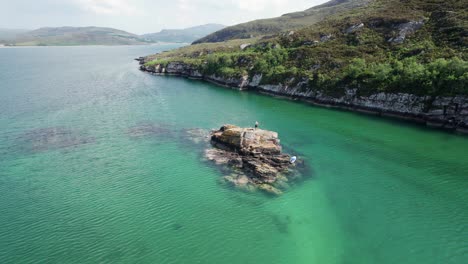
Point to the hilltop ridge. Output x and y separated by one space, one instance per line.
185 35
71 36
68 36
285 22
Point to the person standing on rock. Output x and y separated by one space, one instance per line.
256 124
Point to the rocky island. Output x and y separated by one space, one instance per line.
254 158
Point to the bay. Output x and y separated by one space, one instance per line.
96 167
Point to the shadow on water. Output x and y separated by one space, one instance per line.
176 226
120 254
373 117
281 222
114 256
449 170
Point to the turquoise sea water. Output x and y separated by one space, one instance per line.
95 167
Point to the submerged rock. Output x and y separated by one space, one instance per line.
254 155
145 129
197 135
50 138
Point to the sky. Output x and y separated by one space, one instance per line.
141 16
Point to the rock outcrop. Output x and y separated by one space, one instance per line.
406 29
354 28
254 157
185 70
245 45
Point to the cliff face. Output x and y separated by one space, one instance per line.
187 70
450 113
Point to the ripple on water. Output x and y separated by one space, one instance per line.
381 193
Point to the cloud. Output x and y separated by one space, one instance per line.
183 5
109 7
265 5
252 5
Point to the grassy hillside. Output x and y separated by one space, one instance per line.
411 46
67 36
284 23
186 35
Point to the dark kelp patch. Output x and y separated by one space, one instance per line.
51 138
149 129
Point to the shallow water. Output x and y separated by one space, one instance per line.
95 167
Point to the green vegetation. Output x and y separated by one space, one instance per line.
440 77
285 22
201 50
353 49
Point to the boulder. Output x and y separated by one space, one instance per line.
325 37
406 29
354 28
254 155
244 46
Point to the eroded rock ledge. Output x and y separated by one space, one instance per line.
449 113
254 157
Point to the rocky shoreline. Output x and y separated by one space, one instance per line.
447 113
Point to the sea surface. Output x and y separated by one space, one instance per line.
96 167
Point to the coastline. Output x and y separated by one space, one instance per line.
94 45
444 113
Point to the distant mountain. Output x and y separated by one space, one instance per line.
70 36
285 22
186 35
7 34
